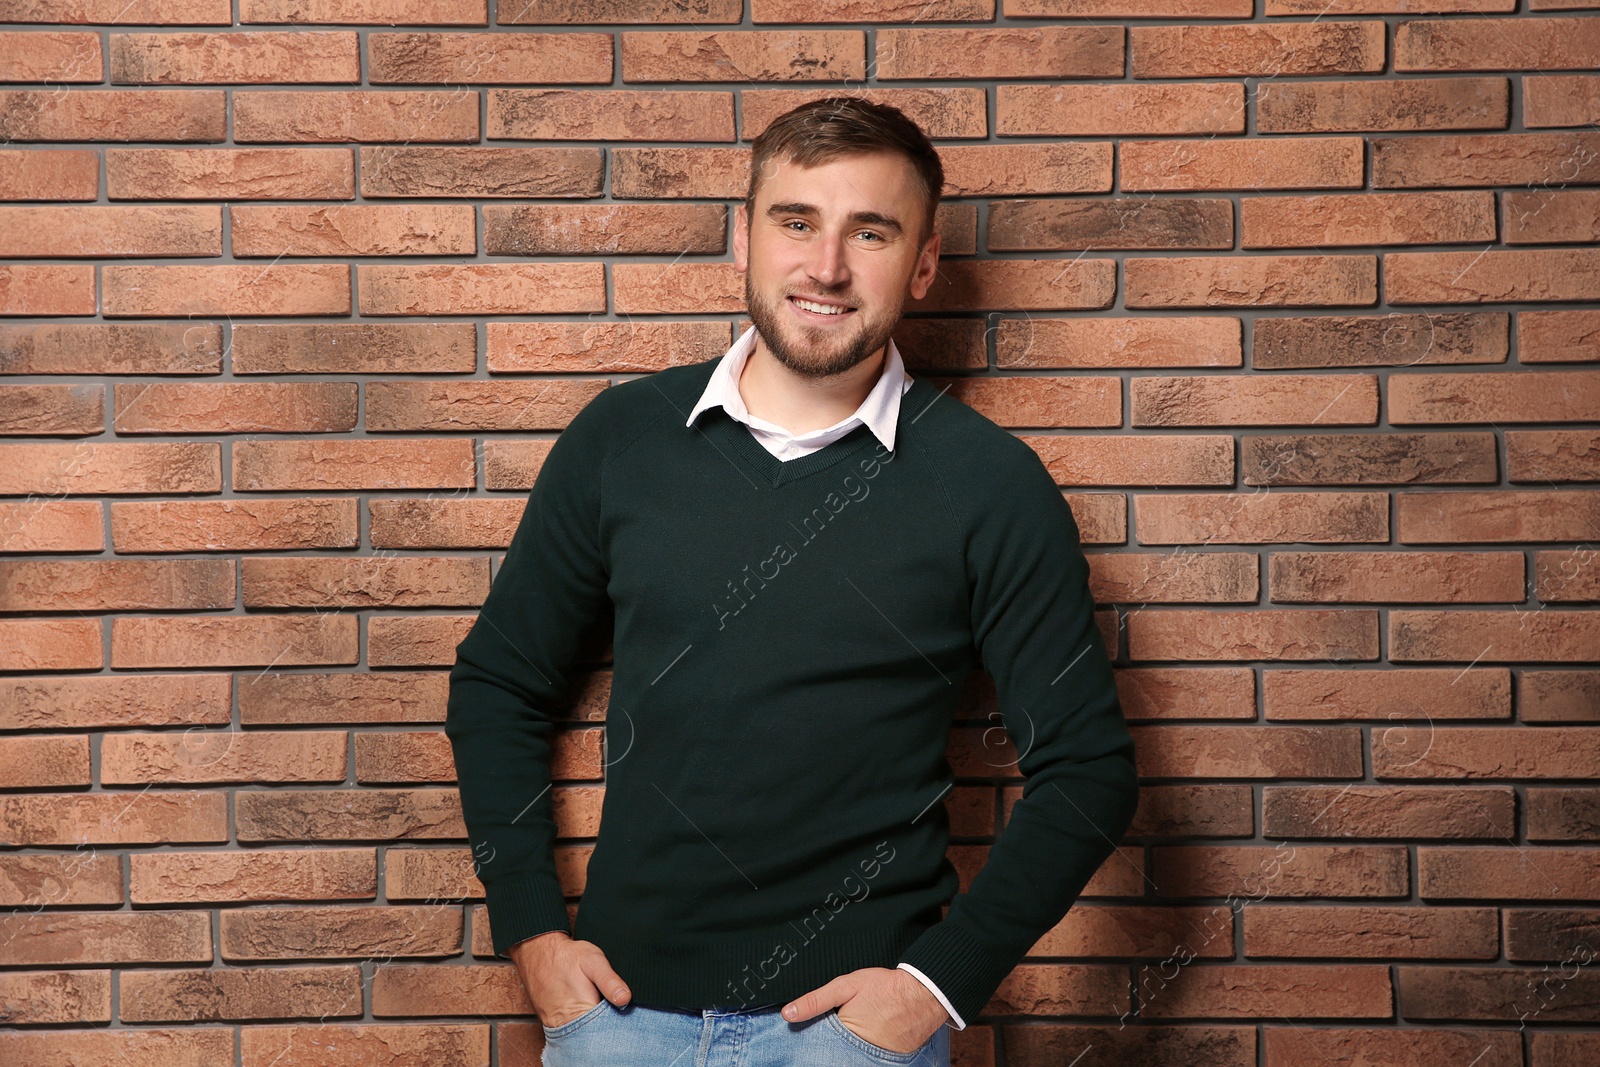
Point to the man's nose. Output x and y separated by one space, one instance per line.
828 265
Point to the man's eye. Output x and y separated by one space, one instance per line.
870 233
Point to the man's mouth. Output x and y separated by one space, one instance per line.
815 309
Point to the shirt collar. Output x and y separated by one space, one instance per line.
880 411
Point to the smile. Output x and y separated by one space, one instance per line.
811 310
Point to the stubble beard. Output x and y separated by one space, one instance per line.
810 351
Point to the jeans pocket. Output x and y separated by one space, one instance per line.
883 1055
572 1024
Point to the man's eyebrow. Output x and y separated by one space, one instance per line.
870 218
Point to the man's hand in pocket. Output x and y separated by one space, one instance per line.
565 978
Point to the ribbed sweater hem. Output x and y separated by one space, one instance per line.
747 972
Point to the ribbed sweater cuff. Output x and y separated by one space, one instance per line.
966 971
522 908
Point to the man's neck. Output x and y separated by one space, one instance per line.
773 392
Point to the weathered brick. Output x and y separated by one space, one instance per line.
1119 110
499 58
743 55
1366 219
252 57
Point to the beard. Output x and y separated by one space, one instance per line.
816 351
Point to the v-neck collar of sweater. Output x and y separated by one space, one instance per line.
735 441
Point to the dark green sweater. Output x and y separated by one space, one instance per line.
790 640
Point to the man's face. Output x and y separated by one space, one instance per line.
845 234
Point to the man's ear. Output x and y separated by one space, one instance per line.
927 268
741 238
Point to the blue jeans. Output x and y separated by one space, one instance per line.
637 1036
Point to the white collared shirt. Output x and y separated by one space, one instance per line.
880 411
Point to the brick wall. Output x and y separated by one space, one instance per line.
1298 301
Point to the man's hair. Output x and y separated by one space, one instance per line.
834 127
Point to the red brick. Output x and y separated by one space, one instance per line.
1497 515
1558 336
1283 163
1570 216
267 698
1287 634
1558 696
640 173
58 56
1539 44
164 817
113 115
1348 694
395 581
354 347
1490 276
72 410
1467 636
55 996
1165 341
1561 99
1364 459
47 289
252 57
547 12
232 641
76 938
41 525
609 115
1566 575
1026 169
371 463
208 1046
1174 578
87 585
604 347
744 56
1395 577
50 174
1421 104
242 525
1119 110
1484 159
1039 400
111 232
99 701
50 644
500 58
1249 281
1552 456
255 875
1187 693
1392 812
1009 52
441 1044
1152 459
1366 219
480 173
46 762
1264 51
234 407
355 115
1261 873
354 230
856 11
1262 517
482 288
226 289
1128 222
1511 872
1509 396
1399 932
374 12
229 173
1255 400
241 993
610 229
91 467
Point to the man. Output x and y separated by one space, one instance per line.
805 553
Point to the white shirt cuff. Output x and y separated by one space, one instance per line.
925 980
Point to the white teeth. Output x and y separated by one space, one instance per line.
820 309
